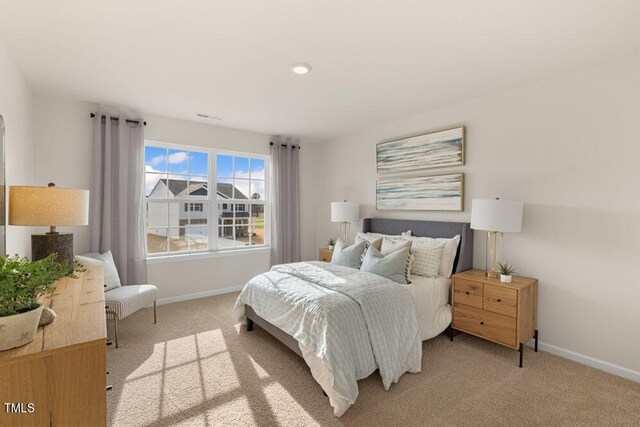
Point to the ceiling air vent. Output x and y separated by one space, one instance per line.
210 117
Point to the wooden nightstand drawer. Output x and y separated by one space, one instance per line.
325 254
505 313
467 292
501 300
485 324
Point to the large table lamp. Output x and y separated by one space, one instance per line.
495 217
51 207
345 213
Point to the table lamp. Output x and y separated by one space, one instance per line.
49 206
495 217
345 213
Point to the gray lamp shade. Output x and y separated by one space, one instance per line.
496 215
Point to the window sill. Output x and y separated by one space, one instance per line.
206 255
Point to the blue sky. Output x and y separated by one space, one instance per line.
194 165
197 163
178 161
226 165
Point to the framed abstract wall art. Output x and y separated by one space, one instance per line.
433 193
431 150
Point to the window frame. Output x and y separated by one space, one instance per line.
212 203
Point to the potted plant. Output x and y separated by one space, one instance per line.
332 242
506 271
22 283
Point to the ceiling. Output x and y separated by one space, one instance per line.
372 60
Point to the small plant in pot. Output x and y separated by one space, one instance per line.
331 242
22 283
506 271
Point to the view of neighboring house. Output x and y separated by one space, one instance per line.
225 213
188 220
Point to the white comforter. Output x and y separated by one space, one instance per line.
352 321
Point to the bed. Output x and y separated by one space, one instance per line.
348 359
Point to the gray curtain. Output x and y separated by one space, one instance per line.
117 198
285 196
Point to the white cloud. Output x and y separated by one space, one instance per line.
156 160
179 157
174 158
256 174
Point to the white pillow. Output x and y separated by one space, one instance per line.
448 252
376 242
448 256
427 253
105 260
374 236
392 245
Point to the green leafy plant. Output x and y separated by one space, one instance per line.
506 269
332 241
22 281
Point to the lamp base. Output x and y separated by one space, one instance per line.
493 274
43 245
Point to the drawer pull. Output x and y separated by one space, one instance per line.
466 293
498 300
482 323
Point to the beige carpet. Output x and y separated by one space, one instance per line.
197 367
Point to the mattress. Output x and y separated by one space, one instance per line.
430 296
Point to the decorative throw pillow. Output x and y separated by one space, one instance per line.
376 242
427 254
105 260
349 256
388 246
394 266
448 252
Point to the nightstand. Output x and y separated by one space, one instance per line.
505 313
325 254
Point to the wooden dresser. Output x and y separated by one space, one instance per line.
504 313
325 254
63 371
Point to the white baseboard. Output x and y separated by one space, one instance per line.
589 361
197 295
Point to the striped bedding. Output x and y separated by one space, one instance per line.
355 322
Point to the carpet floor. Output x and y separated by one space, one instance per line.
198 367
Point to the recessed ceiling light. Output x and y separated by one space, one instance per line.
300 67
208 116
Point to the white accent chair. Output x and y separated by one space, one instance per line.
125 300
120 301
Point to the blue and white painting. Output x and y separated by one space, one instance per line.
433 193
432 150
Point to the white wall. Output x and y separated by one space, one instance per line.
16 108
569 148
63 136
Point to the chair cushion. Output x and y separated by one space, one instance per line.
126 300
105 260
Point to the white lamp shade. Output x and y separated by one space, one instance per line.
48 206
344 212
496 215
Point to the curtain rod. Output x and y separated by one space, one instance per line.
286 145
117 119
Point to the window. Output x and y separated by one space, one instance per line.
241 179
193 207
183 216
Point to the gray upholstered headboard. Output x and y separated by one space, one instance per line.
464 257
